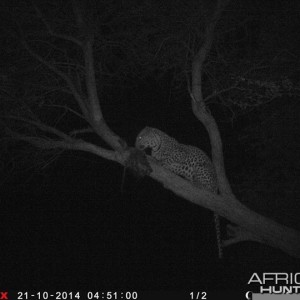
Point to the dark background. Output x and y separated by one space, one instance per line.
82 222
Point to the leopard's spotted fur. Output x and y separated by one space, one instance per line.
187 161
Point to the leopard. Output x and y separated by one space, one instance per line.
186 161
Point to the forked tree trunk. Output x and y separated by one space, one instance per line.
251 225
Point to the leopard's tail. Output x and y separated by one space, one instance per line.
218 234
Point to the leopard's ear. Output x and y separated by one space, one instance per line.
143 130
146 129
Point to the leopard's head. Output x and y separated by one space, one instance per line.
148 138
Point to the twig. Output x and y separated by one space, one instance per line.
51 31
43 127
66 108
67 79
80 131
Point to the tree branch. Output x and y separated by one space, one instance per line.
215 94
65 107
43 127
238 234
51 31
197 65
81 131
198 104
61 74
97 120
95 109
68 144
253 226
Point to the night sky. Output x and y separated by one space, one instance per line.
82 222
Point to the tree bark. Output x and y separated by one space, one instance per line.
262 229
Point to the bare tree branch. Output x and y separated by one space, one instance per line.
61 74
79 145
197 65
96 118
95 109
81 131
218 93
238 234
65 107
43 127
198 104
253 225
51 31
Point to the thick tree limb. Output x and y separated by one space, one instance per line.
254 226
238 234
199 58
97 120
198 103
70 144
91 85
90 106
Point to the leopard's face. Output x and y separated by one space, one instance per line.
148 139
